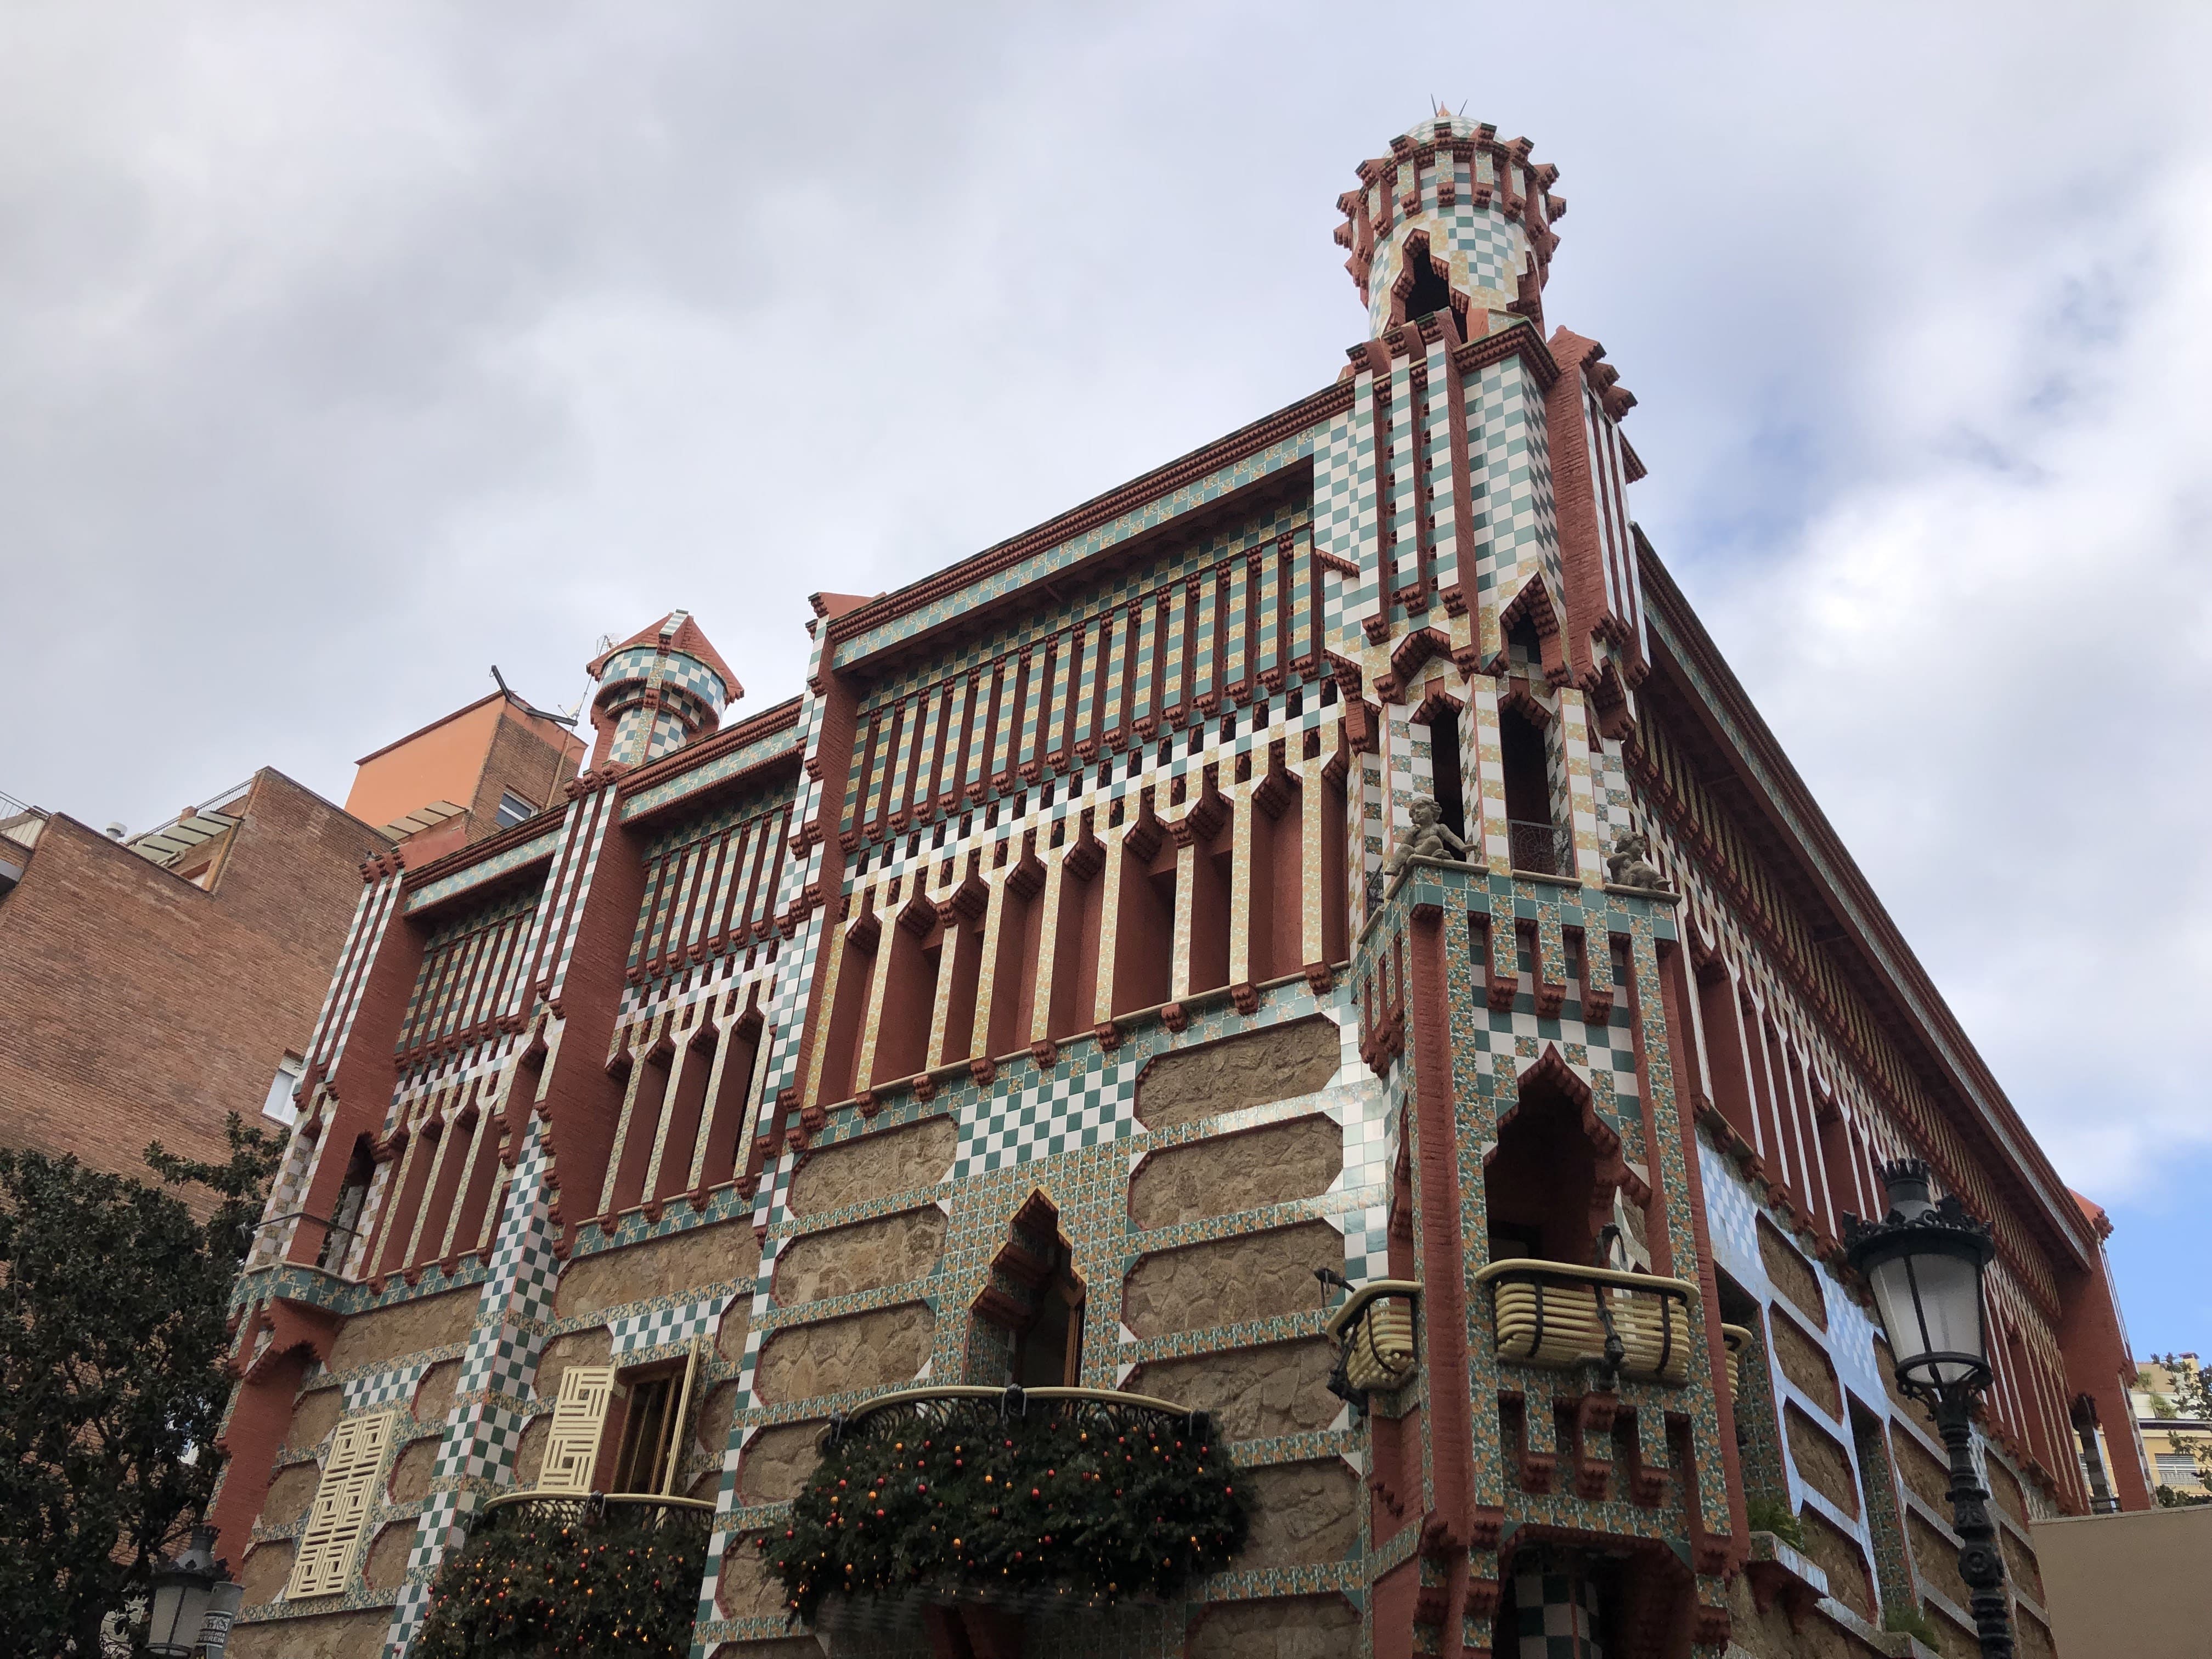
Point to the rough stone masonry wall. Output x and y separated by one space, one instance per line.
1197 1270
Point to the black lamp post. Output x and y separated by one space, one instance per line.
1924 1260
183 1587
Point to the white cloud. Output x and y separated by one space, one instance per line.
1991 657
349 348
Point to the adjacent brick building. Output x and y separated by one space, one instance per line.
1041 995
481 768
149 987
152 983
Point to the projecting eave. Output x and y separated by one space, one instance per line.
1803 849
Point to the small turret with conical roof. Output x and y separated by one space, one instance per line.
659 688
1452 215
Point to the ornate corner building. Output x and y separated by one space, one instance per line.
1068 972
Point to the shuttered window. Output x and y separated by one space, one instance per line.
324 1561
579 1417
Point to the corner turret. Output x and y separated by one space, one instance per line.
658 690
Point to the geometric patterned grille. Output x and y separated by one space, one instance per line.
340 1514
580 1415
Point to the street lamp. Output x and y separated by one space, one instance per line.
182 1588
1924 1260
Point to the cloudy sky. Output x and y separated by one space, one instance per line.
345 350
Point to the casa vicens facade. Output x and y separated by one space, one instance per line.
1341 849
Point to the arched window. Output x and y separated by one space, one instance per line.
1027 1327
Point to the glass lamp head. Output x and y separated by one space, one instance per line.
1924 1263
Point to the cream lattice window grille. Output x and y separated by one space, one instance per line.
344 1499
580 1418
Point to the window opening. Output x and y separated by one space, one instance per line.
280 1104
1028 1326
1429 292
345 1219
513 809
648 1435
1535 842
1443 762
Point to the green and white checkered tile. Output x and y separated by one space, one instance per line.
385 1388
1557 1615
1731 1218
1059 1113
439 1529
1590 1051
662 1328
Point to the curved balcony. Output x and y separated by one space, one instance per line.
1023 1498
1375 1331
1553 1313
1738 1340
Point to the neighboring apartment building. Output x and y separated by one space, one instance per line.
1039 995
471 774
2170 1430
150 984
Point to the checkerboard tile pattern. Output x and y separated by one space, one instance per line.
1556 1606
485 1429
662 1328
1071 1108
393 1386
1486 251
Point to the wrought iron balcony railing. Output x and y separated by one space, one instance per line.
1546 849
1554 1313
1374 1330
647 1510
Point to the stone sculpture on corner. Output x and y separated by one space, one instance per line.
1630 863
1426 837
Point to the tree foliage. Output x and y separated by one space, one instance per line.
1101 1506
2191 1398
533 1584
113 1301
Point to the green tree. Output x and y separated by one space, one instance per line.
114 1298
2191 1398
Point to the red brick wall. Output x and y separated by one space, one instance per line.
135 1006
520 760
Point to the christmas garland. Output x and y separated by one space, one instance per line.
545 1580
1098 1502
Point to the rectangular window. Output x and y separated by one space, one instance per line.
280 1104
641 1464
513 809
2177 1469
638 1413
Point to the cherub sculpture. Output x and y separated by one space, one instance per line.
1426 837
1630 862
